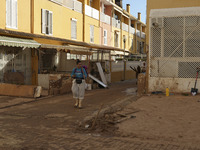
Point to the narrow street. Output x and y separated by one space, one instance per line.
32 124
54 124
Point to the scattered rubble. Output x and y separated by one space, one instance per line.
107 124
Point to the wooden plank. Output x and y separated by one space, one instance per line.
103 78
17 90
98 81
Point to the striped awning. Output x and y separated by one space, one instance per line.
18 42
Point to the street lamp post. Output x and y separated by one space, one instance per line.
124 40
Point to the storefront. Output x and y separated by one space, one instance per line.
16 60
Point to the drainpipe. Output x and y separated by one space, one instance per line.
84 20
32 16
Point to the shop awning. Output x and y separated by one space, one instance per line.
113 53
69 49
18 42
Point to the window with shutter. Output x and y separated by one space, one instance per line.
43 21
11 14
105 37
116 39
50 23
138 46
91 33
74 29
132 45
47 22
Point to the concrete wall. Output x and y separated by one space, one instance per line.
175 85
117 70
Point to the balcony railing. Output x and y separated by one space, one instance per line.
132 30
73 4
60 2
143 35
105 18
138 32
78 6
91 12
116 23
124 27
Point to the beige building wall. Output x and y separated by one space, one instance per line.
159 4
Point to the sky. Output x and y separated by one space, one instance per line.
137 6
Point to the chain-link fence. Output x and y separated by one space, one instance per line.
174 46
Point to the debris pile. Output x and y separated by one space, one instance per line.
108 123
60 85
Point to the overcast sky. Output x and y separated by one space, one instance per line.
137 6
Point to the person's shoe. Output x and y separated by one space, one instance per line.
80 104
76 104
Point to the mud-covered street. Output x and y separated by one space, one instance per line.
150 122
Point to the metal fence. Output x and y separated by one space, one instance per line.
175 47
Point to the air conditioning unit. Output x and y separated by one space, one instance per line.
157 22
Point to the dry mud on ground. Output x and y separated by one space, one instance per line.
157 118
149 123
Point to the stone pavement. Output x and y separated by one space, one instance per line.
51 124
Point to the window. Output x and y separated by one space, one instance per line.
116 39
142 47
90 3
47 22
138 46
132 45
68 56
103 8
11 14
94 56
73 29
91 33
105 37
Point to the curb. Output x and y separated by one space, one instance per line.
33 100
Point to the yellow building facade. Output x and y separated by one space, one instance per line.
69 26
29 20
61 19
23 22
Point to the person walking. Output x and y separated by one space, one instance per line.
78 83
